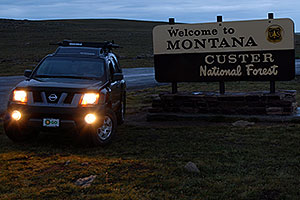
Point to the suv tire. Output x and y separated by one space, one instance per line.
103 133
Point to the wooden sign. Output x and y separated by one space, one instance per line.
260 50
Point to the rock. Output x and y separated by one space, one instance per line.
85 182
67 162
191 167
274 110
140 56
84 164
242 123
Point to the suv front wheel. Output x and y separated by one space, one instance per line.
104 133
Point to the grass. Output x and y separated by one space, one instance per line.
146 160
24 43
260 162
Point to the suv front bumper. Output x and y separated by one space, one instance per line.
69 118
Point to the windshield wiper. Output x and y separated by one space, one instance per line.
74 77
43 76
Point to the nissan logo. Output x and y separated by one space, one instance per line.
52 97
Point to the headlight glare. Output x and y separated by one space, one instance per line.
89 99
20 96
90 118
16 115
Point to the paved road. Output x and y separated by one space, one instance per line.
136 78
297 63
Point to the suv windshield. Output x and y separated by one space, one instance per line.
70 67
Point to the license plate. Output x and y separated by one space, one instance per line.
50 122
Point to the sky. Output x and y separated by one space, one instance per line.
185 11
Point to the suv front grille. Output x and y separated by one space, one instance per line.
69 98
53 97
60 98
37 96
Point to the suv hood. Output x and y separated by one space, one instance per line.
68 83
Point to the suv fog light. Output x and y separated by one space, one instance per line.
90 118
16 115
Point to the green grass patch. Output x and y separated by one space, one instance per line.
146 161
259 162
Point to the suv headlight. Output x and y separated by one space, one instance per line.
20 96
89 99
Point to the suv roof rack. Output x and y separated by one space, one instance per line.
103 45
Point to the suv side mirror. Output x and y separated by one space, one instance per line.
27 73
117 77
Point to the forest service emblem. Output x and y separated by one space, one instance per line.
274 33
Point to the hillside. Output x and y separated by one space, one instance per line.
24 43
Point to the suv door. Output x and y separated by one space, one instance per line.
114 85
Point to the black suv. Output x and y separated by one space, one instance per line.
79 88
